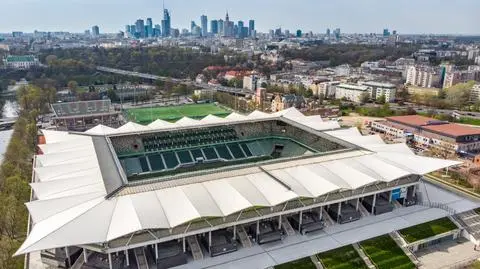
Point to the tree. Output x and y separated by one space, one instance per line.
50 59
195 98
381 99
364 97
72 86
459 94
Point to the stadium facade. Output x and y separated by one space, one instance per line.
167 193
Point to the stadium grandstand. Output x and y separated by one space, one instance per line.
170 194
83 115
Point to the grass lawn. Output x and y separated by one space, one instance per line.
146 115
305 263
468 120
345 258
428 229
386 254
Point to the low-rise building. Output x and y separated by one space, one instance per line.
378 89
21 62
429 132
351 92
414 90
287 101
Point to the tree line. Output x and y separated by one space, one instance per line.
15 176
353 54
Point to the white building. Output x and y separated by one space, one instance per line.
378 89
475 93
351 92
421 76
249 82
21 62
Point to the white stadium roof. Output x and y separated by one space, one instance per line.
72 207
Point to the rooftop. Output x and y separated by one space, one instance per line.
379 84
412 120
78 180
453 130
20 58
353 87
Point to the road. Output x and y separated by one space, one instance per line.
236 91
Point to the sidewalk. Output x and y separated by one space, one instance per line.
448 254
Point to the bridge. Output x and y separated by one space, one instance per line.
234 91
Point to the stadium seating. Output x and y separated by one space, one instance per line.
187 139
81 108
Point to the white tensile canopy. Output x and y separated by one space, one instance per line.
72 209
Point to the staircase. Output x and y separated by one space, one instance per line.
396 204
364 256
195 248
243 237
141 258
363 211
287 227
402 244
470 220
328 220
316 262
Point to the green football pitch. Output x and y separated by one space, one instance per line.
146 115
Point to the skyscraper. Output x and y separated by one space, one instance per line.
204 23
95 31
221 27
386 32
328 31
192 26
251 27
149 32
166 23
157 30
226 26
214 27
140 28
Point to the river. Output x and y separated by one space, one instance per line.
10 110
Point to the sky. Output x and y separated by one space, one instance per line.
352 16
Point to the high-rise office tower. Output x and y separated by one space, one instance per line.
166 23
127 30
192 26
95 31
221 27
240 24
140 28
204 24
251 27
328 31
386 32
149 32
226 26
214 27
299 33
157 31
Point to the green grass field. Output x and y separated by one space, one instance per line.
305 263
428 229
146 115
345 258
386 254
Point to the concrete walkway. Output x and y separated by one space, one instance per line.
448 254
300 246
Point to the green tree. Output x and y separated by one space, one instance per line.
381 99
364 97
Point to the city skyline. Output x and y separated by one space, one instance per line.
408 17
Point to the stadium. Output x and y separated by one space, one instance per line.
186 193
